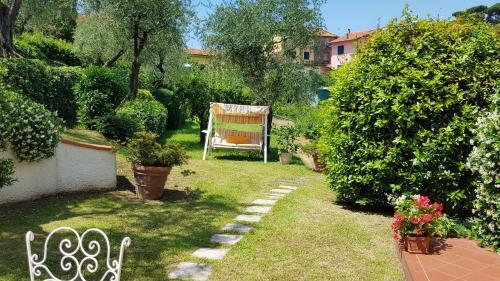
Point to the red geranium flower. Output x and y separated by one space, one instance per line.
419 232
414 220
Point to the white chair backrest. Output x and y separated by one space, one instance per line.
70 253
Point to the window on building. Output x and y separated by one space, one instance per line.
340 50
306 55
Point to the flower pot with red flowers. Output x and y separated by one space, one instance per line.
311 149
416 221
152 163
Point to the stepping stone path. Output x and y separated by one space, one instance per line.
283 191
201 271
237 227
248 218
230 239
258 209
210 253
264 202
191 271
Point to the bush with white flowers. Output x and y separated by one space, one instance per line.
30 130
485 160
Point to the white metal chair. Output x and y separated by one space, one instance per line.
69 261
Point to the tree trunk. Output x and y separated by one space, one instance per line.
269 127
203 126
134 77
114 58
8 16
160 66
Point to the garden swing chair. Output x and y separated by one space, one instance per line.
236 126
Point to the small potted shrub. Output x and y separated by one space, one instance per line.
285 139
416 221
152 163
312 150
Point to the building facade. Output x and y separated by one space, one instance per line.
342 48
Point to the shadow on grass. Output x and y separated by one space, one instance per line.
386 211
160 230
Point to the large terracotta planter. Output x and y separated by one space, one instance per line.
150 180
318 166
286 158
417 245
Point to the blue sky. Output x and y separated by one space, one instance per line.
362 14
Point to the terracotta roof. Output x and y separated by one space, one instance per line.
198 52
353 36
325 33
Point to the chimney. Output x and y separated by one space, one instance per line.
348 32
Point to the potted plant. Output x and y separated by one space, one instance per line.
285 139
416 221
152 163
311 149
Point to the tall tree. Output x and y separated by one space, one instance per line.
255 35
139 22
490 14
9 10
51 17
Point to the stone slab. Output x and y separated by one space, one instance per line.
191 271
258 209
230 239
281 190
248 218
288 187
264 202
280 195
237 227
210 253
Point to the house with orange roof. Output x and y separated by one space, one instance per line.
199 55
318 55
342 48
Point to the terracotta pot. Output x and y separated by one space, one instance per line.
417 245
318 166
150 180
286 158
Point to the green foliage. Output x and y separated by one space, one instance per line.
286 137
400 115
100 91
307 118
175 105
51 17
490 14
30 130
118 126
145 150
149 113
39 46
6 172
484 160
50 86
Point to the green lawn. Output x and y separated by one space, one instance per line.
307 236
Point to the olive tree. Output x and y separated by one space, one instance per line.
139 23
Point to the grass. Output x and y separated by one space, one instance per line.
307 236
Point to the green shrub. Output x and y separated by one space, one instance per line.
485 161
401 115
99 93
118 127
31 130
50 86
6 165
285 139
307 118
145 150
149 113
176 107
39 46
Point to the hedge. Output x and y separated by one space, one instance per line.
50 86
27 127
176 107
39 46
400 117
99 92
485 161
146 111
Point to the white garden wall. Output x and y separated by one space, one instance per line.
75 167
